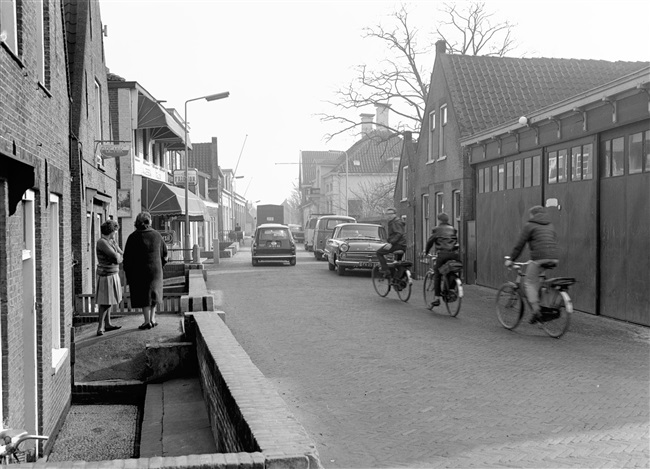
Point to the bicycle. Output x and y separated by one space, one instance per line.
555 302
451 286
399 278
10 441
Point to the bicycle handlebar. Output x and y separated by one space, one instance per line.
12 440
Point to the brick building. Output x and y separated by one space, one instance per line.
36 301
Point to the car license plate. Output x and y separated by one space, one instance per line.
273 244
367 265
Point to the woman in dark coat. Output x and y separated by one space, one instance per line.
145 254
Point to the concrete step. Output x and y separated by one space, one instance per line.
175 421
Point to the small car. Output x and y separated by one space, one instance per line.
354 246
297 233
273 242
323 231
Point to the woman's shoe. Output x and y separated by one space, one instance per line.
146 325
100 333
112 328
154 324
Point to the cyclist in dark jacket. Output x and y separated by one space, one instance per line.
540 235
444 238
396 238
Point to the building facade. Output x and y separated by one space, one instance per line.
36 258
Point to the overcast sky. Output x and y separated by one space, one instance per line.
281 62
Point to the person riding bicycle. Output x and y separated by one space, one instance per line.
396 238
444 238
541 237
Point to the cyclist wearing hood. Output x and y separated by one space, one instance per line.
540 235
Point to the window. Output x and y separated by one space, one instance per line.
426 221
98 110
40 41
552 167
502 177
537 170
647 152
495 178
635 153
432 132
509 174
8 26
528 172
587 162
517 174
488 185
441 138
562 165
455 208
405 182
576 163
440 203
481 180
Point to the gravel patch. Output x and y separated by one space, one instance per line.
97 433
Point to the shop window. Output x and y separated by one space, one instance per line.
528 172
502 177
509 175
495 178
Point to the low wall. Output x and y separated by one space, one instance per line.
246 412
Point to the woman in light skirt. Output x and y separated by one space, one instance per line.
109 287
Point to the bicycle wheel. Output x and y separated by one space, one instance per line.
510 307
381 283
429 290
405 293
452 299
556 321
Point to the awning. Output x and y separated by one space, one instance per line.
162 126
162 199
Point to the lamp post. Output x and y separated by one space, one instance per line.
212 97
347 176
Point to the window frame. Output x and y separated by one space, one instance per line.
442 150
9 17
456 208
432 134
426 218
440 203
405 181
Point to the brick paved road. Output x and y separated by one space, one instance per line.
380 383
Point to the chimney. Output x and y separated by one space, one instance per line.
366 124
382 116
408 136
441 46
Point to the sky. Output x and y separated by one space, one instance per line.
282 62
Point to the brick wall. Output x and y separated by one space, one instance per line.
34 128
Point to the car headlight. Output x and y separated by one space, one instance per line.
345 247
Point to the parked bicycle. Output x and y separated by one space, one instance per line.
399 277
10 441
554 300
451 286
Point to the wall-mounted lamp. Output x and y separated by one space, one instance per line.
523 120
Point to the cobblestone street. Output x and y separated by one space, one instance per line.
377 382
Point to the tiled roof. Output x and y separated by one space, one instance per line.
201 158
309 163
488 91
374 152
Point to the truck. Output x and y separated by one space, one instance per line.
309 230
270 214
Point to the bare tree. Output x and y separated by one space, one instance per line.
375 195
293 203
402 80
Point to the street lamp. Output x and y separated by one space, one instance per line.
347 175
211 97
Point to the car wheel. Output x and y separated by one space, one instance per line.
292 262
318 256
255 262
340 270
331 265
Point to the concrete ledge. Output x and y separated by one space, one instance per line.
198 297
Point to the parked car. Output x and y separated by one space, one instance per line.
309 230
323 231
354 246
297 233
273 242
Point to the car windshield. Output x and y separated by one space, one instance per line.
270 234
332 223
359 232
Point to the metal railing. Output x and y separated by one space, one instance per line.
85 305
